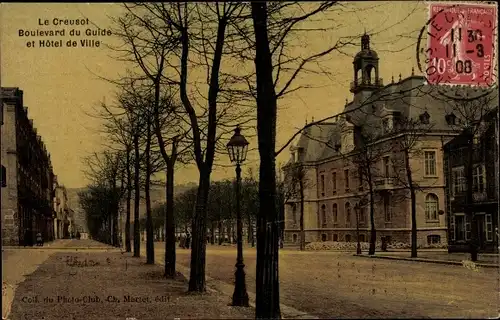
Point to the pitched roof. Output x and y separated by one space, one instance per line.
410 97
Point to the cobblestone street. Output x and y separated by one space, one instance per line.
337 284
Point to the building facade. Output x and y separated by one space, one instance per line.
27 195
485 188
62 216
361 158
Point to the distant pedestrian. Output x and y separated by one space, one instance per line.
39 239
182 242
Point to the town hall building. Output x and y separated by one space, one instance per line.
364 158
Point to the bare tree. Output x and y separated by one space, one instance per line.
104 170
164 39
407 145
296 182
273 26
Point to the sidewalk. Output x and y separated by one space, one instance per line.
112 285
484 260
65 244
227 289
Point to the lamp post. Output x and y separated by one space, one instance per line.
358 246
237 148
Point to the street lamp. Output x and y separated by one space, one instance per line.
358 246
237 148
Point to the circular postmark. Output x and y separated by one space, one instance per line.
456 47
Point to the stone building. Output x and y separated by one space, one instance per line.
365 146
27 197
62 216
485 188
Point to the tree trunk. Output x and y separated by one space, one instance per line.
128 246
413 198
220 232
229 228
301 220
249 229
137 195
150 246
267 274
115 223
469 211
373 232
199 230
212 233
170 224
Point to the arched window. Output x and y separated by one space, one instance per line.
347 238
294 238
294 213
323 216
348 213
323 237
362 215
334 213
368 69
431 207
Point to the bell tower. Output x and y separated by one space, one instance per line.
365 68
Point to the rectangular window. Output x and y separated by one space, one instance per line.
334 182
386 167
478 179
458 181
346 178
387 208
430 163
489 227
460 227
467 228
322 185
334 213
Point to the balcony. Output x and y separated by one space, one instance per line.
384 184
378 82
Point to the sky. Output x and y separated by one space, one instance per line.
62 85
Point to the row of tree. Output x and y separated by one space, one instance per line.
221 216
193 72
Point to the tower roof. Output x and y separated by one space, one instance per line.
366 52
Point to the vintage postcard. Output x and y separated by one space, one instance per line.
238 160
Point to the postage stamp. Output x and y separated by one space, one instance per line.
461 44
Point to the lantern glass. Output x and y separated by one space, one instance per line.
237 147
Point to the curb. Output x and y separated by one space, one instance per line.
227 289
457 263
59 248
